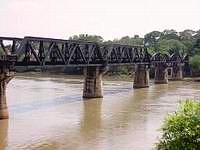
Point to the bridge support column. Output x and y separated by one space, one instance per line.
93 82
4 79
161 74
141 78
177 72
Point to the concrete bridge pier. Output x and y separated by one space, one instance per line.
141 77
177 72
93 82
4 79
161 74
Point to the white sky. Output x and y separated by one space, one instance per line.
108 18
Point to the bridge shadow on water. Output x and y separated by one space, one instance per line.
91 122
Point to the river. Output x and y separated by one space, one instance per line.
48 113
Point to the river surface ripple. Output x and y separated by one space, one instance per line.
48 113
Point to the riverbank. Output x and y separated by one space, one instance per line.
107 77
194 79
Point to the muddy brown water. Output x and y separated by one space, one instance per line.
48 113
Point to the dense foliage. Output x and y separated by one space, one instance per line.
181 130
195 62
1 51
86 37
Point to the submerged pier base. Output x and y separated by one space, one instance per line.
6 74
141 78
161 74
4 79
93 82
177 72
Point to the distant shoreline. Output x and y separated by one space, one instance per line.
59 74
128 78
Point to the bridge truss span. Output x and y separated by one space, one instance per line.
37 51
93 57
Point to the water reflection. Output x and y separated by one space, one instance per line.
129 107
91 122
3 134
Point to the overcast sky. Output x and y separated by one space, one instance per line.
108 18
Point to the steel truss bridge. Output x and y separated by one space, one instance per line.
37 51
94 57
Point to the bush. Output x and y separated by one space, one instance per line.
181 130
195 63
1 51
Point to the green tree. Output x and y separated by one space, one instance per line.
181 130
188 45
169 34
152 38
86 37
196 35
186 34
196 47
195 63
170 46
136 40
108 42
186 37
1 51
196 43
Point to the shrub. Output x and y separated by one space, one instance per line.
181 130
195 63
1 51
